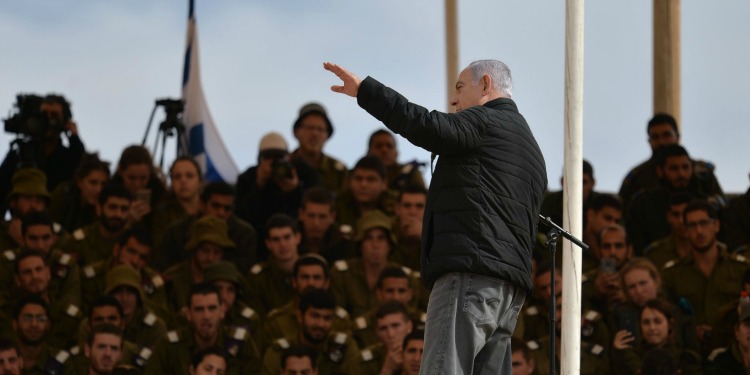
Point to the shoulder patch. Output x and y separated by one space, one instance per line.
173 337
149 319
57 228
340 338
247 313
739 258
406 270
407 168
532 345
145 353
597 349
423 317
65 259
239 334
591 315
10 255
62 356
72 311
283 343
341 265
74 350
416 274
158 281
584 278
361 322
715 353
89 271
345 229
367 355
670 264
256 269
339 166
341 312
79 234
532 311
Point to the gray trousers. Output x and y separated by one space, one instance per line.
470 319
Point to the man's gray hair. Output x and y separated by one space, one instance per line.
500 73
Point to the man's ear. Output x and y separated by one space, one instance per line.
486 84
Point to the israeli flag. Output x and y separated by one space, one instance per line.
203 140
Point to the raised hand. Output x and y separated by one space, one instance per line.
351 81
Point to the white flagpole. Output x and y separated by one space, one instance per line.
573 190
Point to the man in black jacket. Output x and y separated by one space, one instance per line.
481 214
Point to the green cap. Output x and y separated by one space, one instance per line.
29 181
222 270
124 275
209 229
371 220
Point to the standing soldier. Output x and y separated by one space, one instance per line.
313 129
227 279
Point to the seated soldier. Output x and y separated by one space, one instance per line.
227 279
601 287
142 326
94 242
521 361
32 277
39 235
11 362
217 200
137 173
368 191
735 358
29 194
407 226
321 234
31 322
269 283
310 272
337 351
392 325
205 329
353 281
382 144
535 313
133 249
552 206
393 285
209 361
208 243
413 347
676 245
74 202
299 359
183 196
104 350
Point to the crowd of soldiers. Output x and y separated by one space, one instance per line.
305 266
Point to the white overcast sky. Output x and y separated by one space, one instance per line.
261 60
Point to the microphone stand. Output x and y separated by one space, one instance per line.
553 235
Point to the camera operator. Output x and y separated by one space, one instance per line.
42 146
275 185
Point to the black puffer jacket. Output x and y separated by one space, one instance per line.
487 188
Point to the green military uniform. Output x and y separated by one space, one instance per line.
552 206
372 359
331 172
407 252
661 251
628 361
50 362
337 243
88 245
402 175
268 287
64 318
178 280
165 214
536 321
589 261
68 209
684 284
644 177
594 360
173 353
347 209
365 326
727 360
349 285
339 354
93 284
282 322
239 314
132 355
64 283
145 330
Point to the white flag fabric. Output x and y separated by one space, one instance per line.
204 141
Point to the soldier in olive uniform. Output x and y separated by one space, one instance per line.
552 206
382 144
310 271
217 199
38 235
299 359
10 357
737 222
29 194
393 285
74 202
392 325
141 326
407 226
353 281
313 129
646 216
269 283
321 234
338 353
733 359
94 242
368 191
228 280
208 243
31 322
173 353
676 245
133 248
708 279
